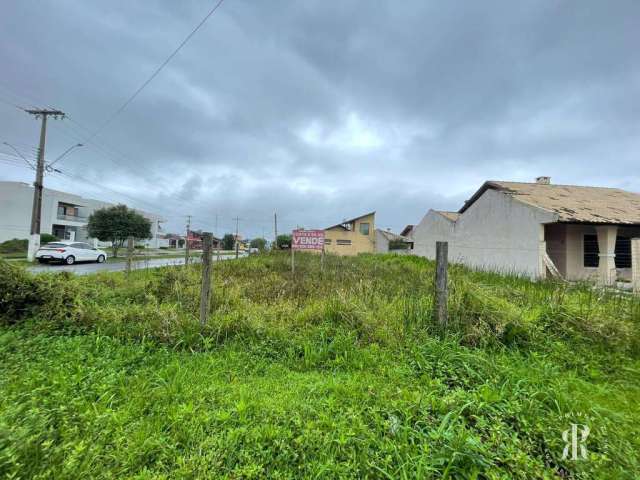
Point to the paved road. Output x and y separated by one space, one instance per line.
89 268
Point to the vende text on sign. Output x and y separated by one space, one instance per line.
307 240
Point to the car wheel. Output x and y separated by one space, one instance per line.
100 259
70 260
43 260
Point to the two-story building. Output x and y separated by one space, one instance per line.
352 237
64 215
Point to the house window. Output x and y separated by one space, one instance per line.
343 242
591 251
327 241
623 252
364 228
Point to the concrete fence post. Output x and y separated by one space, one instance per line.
441 292
635 264
205 291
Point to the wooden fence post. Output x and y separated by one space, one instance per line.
205 290
129 253
293 262
441 292
635 264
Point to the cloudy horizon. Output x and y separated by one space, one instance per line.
321 111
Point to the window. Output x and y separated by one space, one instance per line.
343 242
591 251
327 241
623 252
364 228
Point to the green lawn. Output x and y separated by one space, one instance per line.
334 374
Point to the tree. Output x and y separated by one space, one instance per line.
228 242
115 224
259 243
283 241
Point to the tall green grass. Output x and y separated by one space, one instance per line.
321 374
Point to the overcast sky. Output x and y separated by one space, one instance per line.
321 110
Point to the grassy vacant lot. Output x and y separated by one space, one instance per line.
329 374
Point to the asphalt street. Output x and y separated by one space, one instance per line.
89 268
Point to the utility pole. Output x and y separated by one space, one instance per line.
186 243
275 230
34 239
237 242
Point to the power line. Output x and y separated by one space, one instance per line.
157 71
20 155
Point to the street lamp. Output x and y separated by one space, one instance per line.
63 155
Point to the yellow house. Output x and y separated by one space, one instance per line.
352 237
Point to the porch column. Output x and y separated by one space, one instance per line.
607 246
542 266
635 264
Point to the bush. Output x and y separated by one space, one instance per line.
14 246
53 299
47 238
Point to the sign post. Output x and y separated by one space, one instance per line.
306 240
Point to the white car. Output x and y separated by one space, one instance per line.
70 252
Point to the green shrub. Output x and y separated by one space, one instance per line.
47 238
51 299
14 246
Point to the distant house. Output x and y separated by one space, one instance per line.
352 237
387 241
195 240
538 229
406 231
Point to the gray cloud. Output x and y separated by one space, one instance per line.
324 110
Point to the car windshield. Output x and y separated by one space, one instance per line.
55 245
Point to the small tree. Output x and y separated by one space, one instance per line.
228 242
259 243
115 224
283 241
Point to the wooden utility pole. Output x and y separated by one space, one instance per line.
441 293
36 211
275 230
186 242
205 291
129 253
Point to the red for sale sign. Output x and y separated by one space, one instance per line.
307 240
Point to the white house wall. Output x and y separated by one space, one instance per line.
16 199
496 233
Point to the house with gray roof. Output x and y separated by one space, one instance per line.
538 229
